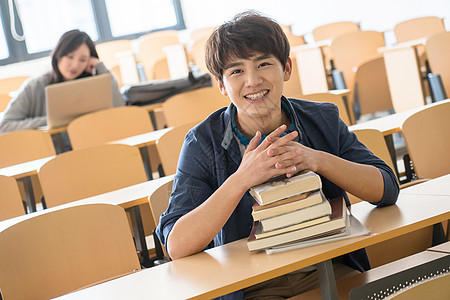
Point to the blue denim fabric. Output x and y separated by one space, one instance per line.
210 154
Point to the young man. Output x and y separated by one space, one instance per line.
260 135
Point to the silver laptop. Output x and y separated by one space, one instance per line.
69 100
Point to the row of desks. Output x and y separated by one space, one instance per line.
232 267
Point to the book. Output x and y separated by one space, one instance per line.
353 229
259 233
286 205
297 216
338 221
276 188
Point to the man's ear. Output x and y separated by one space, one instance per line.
288 69
221 87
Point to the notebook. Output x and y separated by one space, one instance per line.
69 100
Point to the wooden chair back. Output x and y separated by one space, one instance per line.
115 71
193 106
418 28
90 171
107 51
4 101
197 53
159 200
25 145
11 84
58 252
374 140
332 30
169 147
292 87
427 138
350 50
294 40
108 125
437 49
160 69
372 87
10 199
201 33
150 48
332 98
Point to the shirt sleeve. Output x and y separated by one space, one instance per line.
117 96
192 183
353 150
21 111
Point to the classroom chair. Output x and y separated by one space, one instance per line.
108 125
64 250
10 199
26 145
402 246
351 50
331 31
160 69
107 51
197 54
292 87
437 49
159 201
418 28
427 139
294 40
336 99
169 147
113 124
4 101
11 84
201 33
193 106
150 49
371 88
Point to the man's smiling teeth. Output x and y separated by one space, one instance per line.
257 95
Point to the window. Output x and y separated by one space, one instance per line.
43 22
146 15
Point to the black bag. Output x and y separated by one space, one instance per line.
157 91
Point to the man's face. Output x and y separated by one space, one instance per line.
255 85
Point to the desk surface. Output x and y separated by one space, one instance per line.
231 267
444 248
392 123
141 140
126 197
439 186
25 169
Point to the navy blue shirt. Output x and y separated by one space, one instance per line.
210 154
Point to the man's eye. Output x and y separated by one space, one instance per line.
235 72
264 64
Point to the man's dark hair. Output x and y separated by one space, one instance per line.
246 34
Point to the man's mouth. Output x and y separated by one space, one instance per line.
256 96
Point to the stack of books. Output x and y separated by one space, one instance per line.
292 212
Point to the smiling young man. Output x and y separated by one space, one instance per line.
260 135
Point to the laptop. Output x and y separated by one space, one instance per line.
69 100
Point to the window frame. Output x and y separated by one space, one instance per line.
18 50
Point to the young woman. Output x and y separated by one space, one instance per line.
74 57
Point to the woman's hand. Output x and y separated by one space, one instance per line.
92 63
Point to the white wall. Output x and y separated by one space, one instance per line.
302 15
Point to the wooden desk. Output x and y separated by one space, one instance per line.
404 76
142 141
22 172
437 187
391 124
311 67
129 198
231 267
443 248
